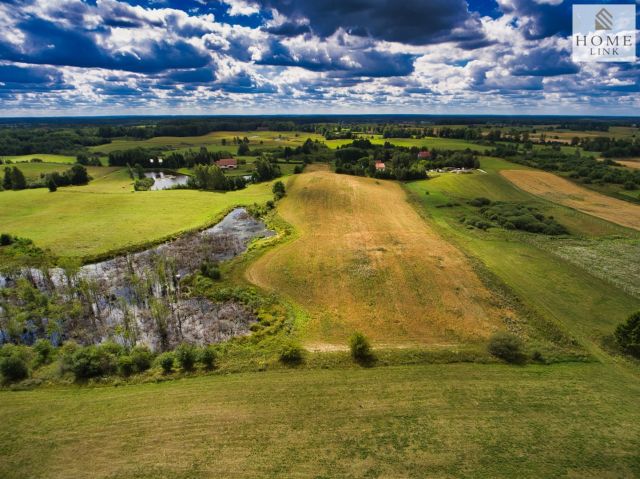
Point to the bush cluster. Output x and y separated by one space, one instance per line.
515 216
291 353
507 347
360 347
627 335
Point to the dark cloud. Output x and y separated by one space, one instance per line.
540 20
244 83
543 62
29 75
415 22
52 44
198 75
335 58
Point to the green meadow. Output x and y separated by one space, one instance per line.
562 291
457 420
45 157
442 143
212 141
107 215
34 171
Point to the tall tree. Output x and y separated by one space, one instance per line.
18 181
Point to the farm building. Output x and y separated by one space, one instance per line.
380 166
228 163
424 155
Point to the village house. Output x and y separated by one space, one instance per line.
380 166
227 164
424 155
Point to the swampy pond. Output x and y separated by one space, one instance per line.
138 298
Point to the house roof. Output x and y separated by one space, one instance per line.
379 164
227 162
424 154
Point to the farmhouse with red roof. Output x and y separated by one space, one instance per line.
380 166
424 155
227 164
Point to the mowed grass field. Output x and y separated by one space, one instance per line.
45 157
107 215
33 171
365 260
461 420
562 191
212 141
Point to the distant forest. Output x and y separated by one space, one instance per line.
22 136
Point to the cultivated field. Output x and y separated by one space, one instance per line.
631 163
365 260
463 421
562 191
107 215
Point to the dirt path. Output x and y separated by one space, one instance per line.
365 260
564 192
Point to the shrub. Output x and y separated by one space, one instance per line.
207 357
186 356
44 351
66 352
278 190
6 239
480 201
537 356
628 335
126 367
507 347
13 368
144 184
92 361
359 347
112 348
291 353
166 360
141 357
210 270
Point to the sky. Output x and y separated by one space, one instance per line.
158 57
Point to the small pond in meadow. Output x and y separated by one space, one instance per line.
165 180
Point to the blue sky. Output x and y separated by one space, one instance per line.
108 57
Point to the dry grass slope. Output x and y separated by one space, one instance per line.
564 192
365 260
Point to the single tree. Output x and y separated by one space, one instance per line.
628 335
18 181
278 189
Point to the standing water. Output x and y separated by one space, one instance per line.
164 181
